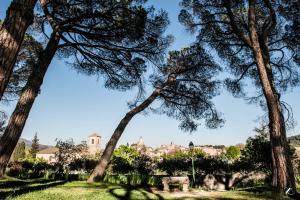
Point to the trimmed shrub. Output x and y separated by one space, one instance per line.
28 168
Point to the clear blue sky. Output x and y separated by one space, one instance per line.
73 105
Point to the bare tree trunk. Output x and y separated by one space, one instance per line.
99 170
282 159
274 169
18 118
282 165
18 18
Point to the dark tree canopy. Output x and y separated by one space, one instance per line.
290 9
19 16
257 152
26 59
184 86
110 38
113 39
190 99
224 27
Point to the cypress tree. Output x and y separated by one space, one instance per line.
34 146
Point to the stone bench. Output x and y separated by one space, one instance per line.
184 180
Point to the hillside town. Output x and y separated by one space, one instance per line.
167 149
94 147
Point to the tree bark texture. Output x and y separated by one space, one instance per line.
18 118
282 165
99 170
18 18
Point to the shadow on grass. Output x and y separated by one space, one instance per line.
16 183
88 186
263 189
124 192
13 189
148 195
145 191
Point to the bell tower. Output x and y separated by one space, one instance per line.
94 143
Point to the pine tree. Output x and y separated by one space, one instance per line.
34 146
19 17
112 39
184 86
257 42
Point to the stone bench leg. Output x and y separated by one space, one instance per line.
185 187
166 187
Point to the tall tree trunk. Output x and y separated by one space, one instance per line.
283 168
99 170
274 180
18 18
18 118
282 165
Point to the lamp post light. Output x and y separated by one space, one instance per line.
191 147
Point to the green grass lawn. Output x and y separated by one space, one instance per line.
60 190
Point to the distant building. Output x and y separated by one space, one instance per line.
47 154
158 152
94 144
141 142
211 150
140 145
168 149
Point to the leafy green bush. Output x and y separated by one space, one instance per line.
123 159
233 153
127 160
83 176
28 168
212 165
84 164
257 152
14 169
174 164
50 174
297 178
180 162
143 164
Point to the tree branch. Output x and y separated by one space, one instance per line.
235 28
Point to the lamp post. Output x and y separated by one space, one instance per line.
191 147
